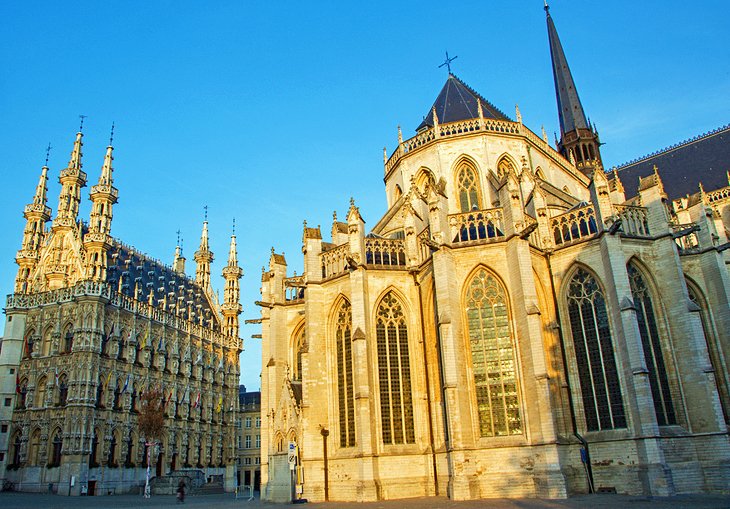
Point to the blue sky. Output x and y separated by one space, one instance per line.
278 113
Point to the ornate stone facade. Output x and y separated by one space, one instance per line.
511 326
94 323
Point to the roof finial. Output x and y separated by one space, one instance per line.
448 61
48 151
81 127
234 226
547 8
111 135
205 214
178 237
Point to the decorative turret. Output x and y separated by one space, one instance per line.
203 258
72 179
578 139
36 215
103 196
232 273
178 264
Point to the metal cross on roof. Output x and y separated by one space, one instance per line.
111 136
206 212
448 61
82 117
48 151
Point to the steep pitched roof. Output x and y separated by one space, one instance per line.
704 158
570 109
457 101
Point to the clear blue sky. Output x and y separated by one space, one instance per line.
278 112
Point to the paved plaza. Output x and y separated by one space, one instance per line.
9 500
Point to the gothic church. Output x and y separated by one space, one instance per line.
516 324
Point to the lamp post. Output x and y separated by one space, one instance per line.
325 433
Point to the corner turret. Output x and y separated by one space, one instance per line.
232 273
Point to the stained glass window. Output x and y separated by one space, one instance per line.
345 387
394 373
651 344
493 357
602 402
468 188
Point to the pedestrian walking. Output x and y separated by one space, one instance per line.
181 492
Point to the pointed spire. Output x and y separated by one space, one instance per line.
232 251
74 162
178 264
42 188
570 109
203 257
518 115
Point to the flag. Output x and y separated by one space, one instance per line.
200 358
144 339
126 384
218 407
17 383
197 401
108 377
56 377
168 400
159 344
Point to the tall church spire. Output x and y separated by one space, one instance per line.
232 273
36 215
203 258
576 135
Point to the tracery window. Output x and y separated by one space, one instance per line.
468 188
345 386
651 343
298 350
394 373
504 166
600 389
493 357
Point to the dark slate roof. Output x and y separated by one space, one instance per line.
248 398
131 266
682 167
457 101
570 110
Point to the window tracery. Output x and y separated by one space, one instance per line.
651 344
394 373
594 355
493 357
467 184
345 385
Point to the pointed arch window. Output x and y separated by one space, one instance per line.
467 183
68 339
394 373
94 454
504 166
299 348
651 344
600 388
62 391
345 385
493 357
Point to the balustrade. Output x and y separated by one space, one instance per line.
385 252
477 225
574 225
334 261
634 220
718 195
